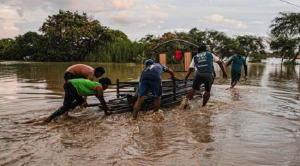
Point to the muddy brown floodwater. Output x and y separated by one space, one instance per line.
257 123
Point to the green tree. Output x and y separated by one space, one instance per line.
7 49
251 45
168 49
198 37
227 48
117 35
220 44
194 36
287 24
28 45
284 46
71 36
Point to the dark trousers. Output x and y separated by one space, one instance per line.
71 100
69 76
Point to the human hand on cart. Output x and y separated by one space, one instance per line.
174 78
185 81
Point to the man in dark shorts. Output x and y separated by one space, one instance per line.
83 71
150 79
75 89
204 73
236 69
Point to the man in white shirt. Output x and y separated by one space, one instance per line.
204 73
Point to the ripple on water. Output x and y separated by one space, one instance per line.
234 132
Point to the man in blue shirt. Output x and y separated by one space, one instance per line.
150 79
204 73
236 69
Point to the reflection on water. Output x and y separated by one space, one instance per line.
257 123
42 83
282 88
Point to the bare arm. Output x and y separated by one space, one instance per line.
84 104
171 73
222 68
188 74
229 62
136 92
102 101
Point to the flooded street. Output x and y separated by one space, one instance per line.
257 123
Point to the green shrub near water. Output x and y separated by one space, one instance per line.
256 58
290 63
120 52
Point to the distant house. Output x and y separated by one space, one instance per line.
298 57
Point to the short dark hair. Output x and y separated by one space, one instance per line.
105 80
237 52
100 70
149 62
202 48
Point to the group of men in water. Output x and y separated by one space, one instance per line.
79 81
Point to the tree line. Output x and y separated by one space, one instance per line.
70 36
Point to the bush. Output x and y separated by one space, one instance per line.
288 63
256 58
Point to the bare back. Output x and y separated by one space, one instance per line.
82 70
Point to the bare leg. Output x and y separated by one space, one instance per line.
58 112
191 93
137 106
189 96
233 84
206 97
156 104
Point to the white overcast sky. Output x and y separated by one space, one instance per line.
137 18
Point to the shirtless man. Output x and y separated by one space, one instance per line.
83 71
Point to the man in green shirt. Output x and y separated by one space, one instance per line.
83 71
236 69
75 89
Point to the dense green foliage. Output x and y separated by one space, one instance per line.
284 46
69 36
251 45
285 31
121 51
7 49
255 58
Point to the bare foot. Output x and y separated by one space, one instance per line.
134 118
66 115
